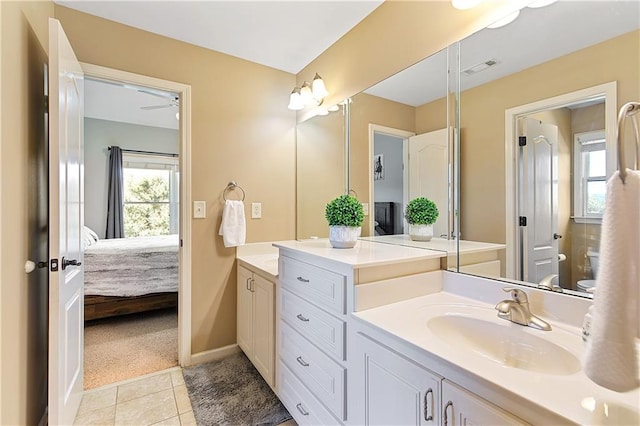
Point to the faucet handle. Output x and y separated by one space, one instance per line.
516 294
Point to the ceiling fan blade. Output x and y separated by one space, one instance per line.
156 106
157 94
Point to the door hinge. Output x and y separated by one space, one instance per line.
522 141
180 242
46 102
54 265
523 221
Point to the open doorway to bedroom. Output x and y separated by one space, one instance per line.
132 220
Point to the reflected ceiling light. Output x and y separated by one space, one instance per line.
465 4
541 3
309 94
505 21
333 108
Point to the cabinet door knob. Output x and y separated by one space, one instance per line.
302 318
301 409
428 417
302 280
302 362
444 414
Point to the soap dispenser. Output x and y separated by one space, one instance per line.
586 324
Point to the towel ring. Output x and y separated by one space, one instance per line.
628 110
230 187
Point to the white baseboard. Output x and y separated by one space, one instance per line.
213 354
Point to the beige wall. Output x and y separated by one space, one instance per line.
241 130
482 121
24 45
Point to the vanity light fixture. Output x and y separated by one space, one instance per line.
465 4
308 94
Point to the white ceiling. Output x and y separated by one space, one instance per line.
536 36
286 35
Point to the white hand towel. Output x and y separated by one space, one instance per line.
233 226
610 358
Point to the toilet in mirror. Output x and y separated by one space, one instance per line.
511 132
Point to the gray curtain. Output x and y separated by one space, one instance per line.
115 201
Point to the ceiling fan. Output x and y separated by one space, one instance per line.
173 100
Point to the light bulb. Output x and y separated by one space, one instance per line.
465 4
295 100
306 94
504 21
318 88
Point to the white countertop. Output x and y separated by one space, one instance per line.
571 396
261 256
364 254
442 244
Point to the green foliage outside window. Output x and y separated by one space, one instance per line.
146 206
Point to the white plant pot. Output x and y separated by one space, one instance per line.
420 232
344 236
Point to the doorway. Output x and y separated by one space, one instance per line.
131 227
389 185
559 248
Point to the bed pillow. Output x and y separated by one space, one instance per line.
89 237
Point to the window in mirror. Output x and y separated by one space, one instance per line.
590 175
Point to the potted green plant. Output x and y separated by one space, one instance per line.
421 213
345 215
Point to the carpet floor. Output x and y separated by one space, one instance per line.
230 391
129 346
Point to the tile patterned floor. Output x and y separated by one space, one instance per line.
156 399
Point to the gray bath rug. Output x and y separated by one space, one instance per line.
230 391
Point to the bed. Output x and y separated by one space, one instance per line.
129 275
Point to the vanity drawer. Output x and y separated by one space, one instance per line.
324 288
303 406
325 378
323 329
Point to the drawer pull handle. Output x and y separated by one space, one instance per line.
427 417
302 362
302 280
302 318
444 413
301 409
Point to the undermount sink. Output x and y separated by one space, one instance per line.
506 344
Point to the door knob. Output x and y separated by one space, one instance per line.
72 262
30 265
557 236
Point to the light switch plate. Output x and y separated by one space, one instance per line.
199 209
365 207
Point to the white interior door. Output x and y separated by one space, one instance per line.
429 174
539 199
66 292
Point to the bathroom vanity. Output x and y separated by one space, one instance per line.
379 334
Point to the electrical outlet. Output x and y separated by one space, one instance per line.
256 210
199 209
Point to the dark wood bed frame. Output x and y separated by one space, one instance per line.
96 307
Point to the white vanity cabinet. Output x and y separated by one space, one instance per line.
256 321
461 407
311 341
394 389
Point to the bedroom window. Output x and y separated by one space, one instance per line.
150 195
590 175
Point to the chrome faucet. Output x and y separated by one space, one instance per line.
547 283
517 310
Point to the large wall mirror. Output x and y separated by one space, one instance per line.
538 103
398 152
321 172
